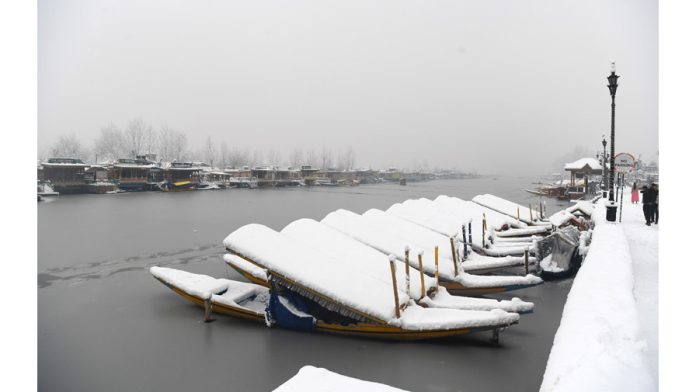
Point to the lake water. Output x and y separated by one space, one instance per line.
105 324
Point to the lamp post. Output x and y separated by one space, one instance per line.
604 168
611 206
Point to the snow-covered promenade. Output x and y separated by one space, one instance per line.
607 340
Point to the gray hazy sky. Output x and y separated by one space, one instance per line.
487 85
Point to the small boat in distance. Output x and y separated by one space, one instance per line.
207 186
44 189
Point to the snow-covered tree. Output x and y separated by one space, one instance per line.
69 146
110 145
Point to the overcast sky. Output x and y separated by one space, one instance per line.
488 86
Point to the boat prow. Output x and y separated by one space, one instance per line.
230 297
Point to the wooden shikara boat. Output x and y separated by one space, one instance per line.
390 235
355 293
249 301
249 271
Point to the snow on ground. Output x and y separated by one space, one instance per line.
607 340
644 247
310 378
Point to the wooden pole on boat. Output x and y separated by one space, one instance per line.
464 242
208 307
408 272
392 267
531 218
484 227
420 268
518 213
541 210
437 268
471 241
526 261
454 256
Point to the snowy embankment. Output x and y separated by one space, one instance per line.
310 378
599 345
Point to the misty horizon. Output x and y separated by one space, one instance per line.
486 87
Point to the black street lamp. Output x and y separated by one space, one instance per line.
604 168
611 207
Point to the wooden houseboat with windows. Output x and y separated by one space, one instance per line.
67 175
309 174
132 174
273 176
97 180
241 178
181 176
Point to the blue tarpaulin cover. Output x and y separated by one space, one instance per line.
289 310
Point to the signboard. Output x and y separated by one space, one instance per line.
624 163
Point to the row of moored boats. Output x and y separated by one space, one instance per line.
416 270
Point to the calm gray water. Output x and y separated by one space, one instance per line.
105 324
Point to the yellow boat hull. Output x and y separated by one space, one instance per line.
364 330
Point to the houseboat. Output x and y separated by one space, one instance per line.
181 176
97 180
309 175
67 175
212 178
273 176
132 174
241 178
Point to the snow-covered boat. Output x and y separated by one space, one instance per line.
511 209
244 182
282 307
390 235
44 189
207 186
230 297
560 253
446 215
331 295
346 250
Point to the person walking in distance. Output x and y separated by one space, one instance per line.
635 197
656 204
648 203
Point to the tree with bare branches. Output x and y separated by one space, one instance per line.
69 146
296 158
326 158
110 145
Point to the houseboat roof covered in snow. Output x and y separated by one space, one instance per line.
584 165
65 162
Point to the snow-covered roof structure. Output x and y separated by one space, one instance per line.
586 165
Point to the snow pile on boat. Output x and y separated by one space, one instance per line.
443 299
239 263
598 345
466 208
578 210
314 270
336 283
508 208
583 206
356 254
372 262
310 378
221 291
561 218
390 235
202 286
